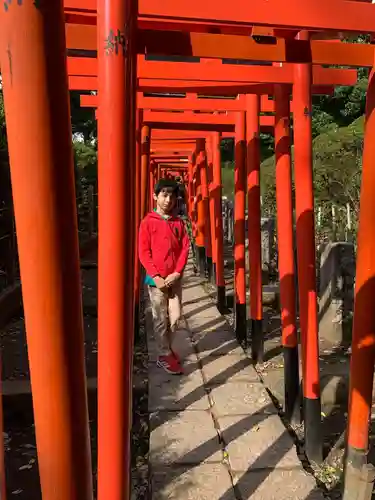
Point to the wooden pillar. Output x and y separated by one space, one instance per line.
216 190
116 142
305 236
137 219
146 188
201 211
239 227
131 173
285 243
35 85
363 340
193 201
202 169
195 196
212 210
152 181
253 225
190 201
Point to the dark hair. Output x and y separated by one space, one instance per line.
168 184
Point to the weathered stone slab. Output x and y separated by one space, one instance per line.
336 290
278 484
258 441
201 482
173 392
268 245
192 289
188 437
152 346
241 398
215 342
228 348
204 311
203 324
224 369
190 285
270 294
193 296
198 309
182 344
274 379
334 384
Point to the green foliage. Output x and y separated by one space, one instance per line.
269 200
337 171
83 119
227 150
86 159
227 173
267 145
85 164
337 167
321 121
337 128
348 103
329 114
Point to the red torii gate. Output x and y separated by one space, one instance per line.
185 121
209 242
212 242
201 88
212 71
208 45
188 103
256 292
42 28
193 16
256 283
168 136
255 255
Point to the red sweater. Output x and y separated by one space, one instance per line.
163 245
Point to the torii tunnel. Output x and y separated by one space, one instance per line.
157 118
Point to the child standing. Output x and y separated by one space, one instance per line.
163 252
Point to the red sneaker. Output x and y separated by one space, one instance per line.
176 356
170 364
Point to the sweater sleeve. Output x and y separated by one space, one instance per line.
144 249
183 257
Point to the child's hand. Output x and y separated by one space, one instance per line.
160 283
172 278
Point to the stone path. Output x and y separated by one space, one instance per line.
215 434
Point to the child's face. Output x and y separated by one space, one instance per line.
165 200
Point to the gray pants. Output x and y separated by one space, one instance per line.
166 313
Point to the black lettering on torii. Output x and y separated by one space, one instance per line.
113 43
